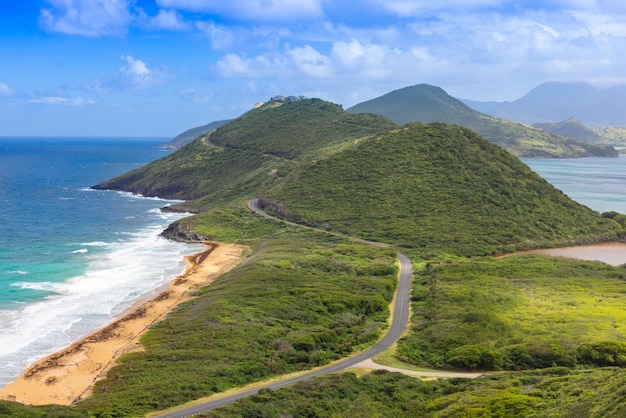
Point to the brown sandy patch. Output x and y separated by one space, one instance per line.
613 253
68 375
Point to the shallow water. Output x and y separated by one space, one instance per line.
72 258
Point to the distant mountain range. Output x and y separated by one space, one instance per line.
558 101
425 103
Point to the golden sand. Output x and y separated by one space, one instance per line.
69 375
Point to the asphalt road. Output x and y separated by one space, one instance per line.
398 325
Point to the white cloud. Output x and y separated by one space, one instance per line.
57 100
136 74
221 37
5 90
252 10
233 65
406 8
310 62
164 20
86 17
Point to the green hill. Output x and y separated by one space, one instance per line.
572 128
189 135
425 103
436 187
251 153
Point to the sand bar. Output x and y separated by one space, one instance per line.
613 253
67 376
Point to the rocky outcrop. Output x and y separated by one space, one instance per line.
177 232
273 206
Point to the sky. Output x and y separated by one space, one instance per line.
158 67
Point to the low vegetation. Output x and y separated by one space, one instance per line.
517 313
297 302
439 188
557 393
248 155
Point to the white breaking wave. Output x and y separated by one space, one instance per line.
125 271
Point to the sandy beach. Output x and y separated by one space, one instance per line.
68 375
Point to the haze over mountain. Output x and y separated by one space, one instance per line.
426 103
557 101
573 128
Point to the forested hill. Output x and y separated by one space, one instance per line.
426 103
251 153
438 187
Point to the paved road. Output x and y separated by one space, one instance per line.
398 325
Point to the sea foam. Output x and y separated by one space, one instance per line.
114 278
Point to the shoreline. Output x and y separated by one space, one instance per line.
67 376
613 253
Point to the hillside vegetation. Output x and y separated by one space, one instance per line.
248 155
425 103
436 187
572 128
517 313
189 135
302 298
555 393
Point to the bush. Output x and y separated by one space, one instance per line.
604 353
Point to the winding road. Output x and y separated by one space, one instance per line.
398 325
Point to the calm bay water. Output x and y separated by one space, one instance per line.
72 258
598 183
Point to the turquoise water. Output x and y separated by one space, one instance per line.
71 258
599 183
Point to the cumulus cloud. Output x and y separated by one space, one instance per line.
221 37
5 90
169 20
234 65
136 74
252 10
310 62
58 100
86 17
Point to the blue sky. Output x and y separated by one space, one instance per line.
159 67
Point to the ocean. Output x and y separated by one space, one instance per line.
73 258
598 183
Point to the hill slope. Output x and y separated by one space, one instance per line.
572 128
425 103
190 134
436 187
251 153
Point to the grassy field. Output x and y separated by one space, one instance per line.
517 313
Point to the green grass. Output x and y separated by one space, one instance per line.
517 313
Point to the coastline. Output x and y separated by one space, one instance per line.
68 375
